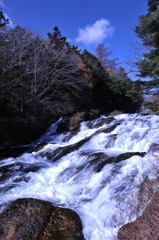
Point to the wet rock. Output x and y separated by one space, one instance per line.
21 179
62 151
100 122
63 126
128 155
31 219
111 128
116 159
39 147
77 118
93 114
15 151
8 171
145 227
145 111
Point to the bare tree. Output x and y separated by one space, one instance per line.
35 73
103 54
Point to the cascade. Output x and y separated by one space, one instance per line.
97 172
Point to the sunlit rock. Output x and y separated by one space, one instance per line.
31 219
146 226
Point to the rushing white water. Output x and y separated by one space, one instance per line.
89 172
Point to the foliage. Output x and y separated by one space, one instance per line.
151 105
3 19
103 54
41 79
148 31
95 66
109 92
120 74
35 73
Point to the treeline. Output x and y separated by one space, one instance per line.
41 79
148 66
39 76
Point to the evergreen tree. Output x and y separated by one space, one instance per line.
95 66
148 31
3 19
57 40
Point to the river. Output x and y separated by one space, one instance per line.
97 172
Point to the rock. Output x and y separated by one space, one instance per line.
77 118
145 227
64 150
63 126
15 151
100 122
145 111
116 159
31 219
94 113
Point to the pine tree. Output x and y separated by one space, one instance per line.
3 19
148 31
57 40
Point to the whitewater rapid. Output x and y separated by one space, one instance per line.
97 172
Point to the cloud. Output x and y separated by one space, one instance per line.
95 33
1 3
3 6
11 24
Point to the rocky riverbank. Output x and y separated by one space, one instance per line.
16 134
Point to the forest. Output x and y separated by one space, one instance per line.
79 142
42 79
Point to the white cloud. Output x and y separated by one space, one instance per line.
95 33
11 24
1 3
3 6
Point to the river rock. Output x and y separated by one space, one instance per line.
77 118
63 126
146 226
32 219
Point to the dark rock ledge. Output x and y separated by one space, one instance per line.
31 219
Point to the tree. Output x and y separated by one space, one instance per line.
148 31
102 53
3 19
35 74
121 74
57 40
94 65
14 81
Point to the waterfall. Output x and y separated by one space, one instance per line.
97 172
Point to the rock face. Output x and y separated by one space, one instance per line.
72 123
31 219
145 227
77 118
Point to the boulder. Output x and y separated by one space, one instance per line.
77 118
146 226
63 126
32 219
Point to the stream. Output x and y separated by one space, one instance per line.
97 172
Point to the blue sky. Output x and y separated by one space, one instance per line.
84 22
